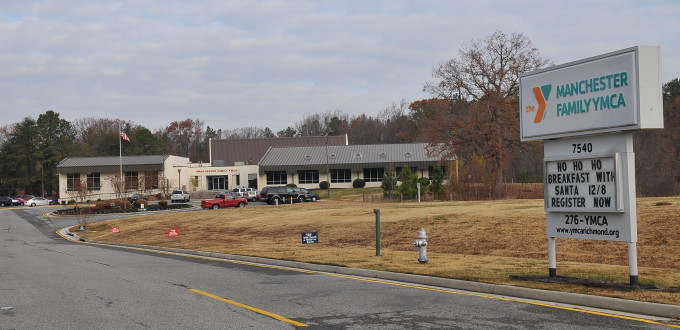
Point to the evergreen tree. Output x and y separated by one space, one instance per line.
389 183
19 156
408 181
437 184
55 140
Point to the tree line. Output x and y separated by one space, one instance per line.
472 115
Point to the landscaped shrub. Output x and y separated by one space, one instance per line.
94 209
291 185
163 203
102 205
72 201
122 203
139 202
358 183
324 185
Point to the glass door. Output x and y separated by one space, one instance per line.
217 183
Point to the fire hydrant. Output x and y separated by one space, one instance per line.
421 244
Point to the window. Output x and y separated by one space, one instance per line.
339 176
277 177
151 180
72 181
310 176
252 180
94 181
374 174
131 180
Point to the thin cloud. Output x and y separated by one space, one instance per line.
269 63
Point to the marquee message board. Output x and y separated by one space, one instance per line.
590 187
618 91
588 183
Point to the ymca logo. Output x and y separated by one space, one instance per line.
542 94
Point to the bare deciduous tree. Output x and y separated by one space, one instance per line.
165 185
482 85
118 184
81 194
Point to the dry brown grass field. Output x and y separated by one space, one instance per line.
485 241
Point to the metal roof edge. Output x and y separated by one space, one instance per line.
265 155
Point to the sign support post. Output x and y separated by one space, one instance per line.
552 257
632 263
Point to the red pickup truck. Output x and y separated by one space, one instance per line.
224 200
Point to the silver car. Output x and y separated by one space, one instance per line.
180 196
38 201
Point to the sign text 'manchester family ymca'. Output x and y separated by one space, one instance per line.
588 86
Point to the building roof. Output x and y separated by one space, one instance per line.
112 164
355 157
250 151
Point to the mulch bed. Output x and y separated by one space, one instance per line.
148 208
589 282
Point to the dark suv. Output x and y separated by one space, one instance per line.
282 194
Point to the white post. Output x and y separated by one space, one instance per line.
632 263
418 185
552 257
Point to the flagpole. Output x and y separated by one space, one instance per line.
120 155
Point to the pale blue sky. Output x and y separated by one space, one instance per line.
269 63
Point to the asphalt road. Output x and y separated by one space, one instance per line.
47 282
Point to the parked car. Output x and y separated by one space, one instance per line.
283 194
248 193
136 197
37 201
6 201
23 198
180 196
310 196
225 199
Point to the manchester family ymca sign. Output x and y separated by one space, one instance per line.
585 112
611 92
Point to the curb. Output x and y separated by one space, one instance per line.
616 304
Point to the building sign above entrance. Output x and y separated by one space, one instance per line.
618 91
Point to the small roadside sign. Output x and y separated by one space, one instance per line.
115 230
310 238
173 232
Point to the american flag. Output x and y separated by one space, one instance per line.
123 134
